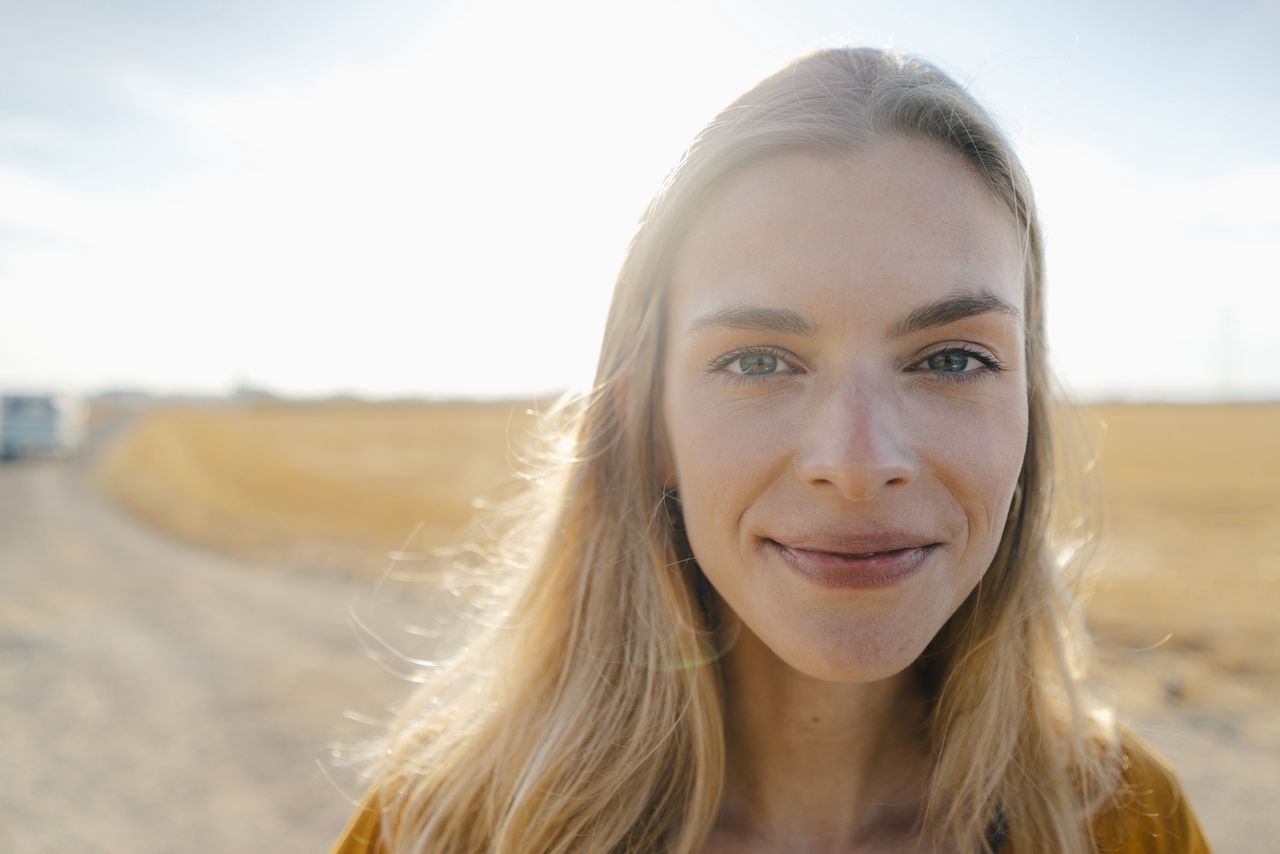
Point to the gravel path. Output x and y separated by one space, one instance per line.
158 697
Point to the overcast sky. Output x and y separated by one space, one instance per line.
391 198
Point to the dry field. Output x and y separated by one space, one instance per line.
333 485
1185 575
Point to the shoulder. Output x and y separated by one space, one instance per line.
1148 813
363 833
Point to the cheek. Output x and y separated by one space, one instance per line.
723 458
979 463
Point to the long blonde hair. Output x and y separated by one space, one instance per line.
589 716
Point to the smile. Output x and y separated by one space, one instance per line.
862 570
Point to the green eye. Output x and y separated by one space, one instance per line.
757 364
952 361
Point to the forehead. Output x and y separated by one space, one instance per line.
898 222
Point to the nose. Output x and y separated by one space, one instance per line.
858 445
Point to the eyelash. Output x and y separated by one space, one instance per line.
990 364
719 363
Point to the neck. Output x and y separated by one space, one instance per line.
817 764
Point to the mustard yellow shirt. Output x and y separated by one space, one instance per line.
1151 815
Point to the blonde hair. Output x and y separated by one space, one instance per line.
589 716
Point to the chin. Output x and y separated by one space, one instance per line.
850 659
851 672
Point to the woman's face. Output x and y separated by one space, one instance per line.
845 398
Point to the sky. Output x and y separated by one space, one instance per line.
432 199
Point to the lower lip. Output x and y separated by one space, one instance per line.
834 570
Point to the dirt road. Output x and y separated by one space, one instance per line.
156 697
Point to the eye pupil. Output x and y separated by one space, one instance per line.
952 362
758 363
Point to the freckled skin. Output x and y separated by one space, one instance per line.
851 426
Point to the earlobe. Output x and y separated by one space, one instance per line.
663 464
621 404
620 392
666 471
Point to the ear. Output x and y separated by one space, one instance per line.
662 459
620 401
664 465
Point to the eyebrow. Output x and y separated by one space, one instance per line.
788 322
951 309
782 320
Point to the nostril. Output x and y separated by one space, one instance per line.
857 479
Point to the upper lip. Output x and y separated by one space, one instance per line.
856 542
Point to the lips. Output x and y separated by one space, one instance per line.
859 560
856 544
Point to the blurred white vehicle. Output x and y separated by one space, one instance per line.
41 425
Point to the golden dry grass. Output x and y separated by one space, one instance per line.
1186 579
1188 562
1191 509
314 483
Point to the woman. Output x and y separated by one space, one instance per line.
792 590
